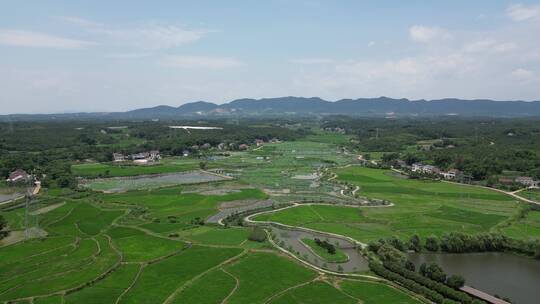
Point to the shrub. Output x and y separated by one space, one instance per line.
257 234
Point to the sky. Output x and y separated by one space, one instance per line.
94 55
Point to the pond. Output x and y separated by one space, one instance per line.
292 241
507 275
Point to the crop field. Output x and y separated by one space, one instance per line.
525 228
533 194
420 207
122 184
135 238
374 293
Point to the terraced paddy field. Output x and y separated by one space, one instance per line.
155 244
420 207
150 246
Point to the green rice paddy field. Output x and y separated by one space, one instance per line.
420 207
96 252
151 246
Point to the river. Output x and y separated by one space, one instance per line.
507 275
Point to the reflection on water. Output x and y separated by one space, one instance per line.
503 274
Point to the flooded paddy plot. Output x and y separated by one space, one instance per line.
121 184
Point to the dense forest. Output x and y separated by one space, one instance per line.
51 147
481 147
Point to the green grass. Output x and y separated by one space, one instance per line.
338 257
213 287
315 293
159 280
57 299
83 264
215 235
168 209
525 228
108 289
420 207
375 293
140 247
84 220
262 275
533 194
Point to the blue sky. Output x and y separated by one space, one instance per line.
65 56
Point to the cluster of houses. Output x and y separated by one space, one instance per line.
18 176
138 158
429 169
154 156
522 180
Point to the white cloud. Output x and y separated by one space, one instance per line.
128 55
490 45
371 43
309 61
181 61
519 12
522 74
154 37
426 34
79 21
40 40
148 36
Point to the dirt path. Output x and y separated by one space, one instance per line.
171 297
277 295
235 286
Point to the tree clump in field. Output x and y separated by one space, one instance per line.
3 224
331 249
455 281
432 243
257 235
433 271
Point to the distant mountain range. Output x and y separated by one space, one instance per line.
300 106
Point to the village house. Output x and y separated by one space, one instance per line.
146 157
526 181
427 169
243 147
221 146
185 153
18 176
451 174
118 157
259 142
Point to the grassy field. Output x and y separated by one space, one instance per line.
211 288
152 245
159 280
338 257
169 210
525 228
315 292
167 165
533 194
420 207
375 293
262 275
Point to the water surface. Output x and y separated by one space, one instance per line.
507 275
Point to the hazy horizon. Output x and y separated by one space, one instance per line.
66 57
